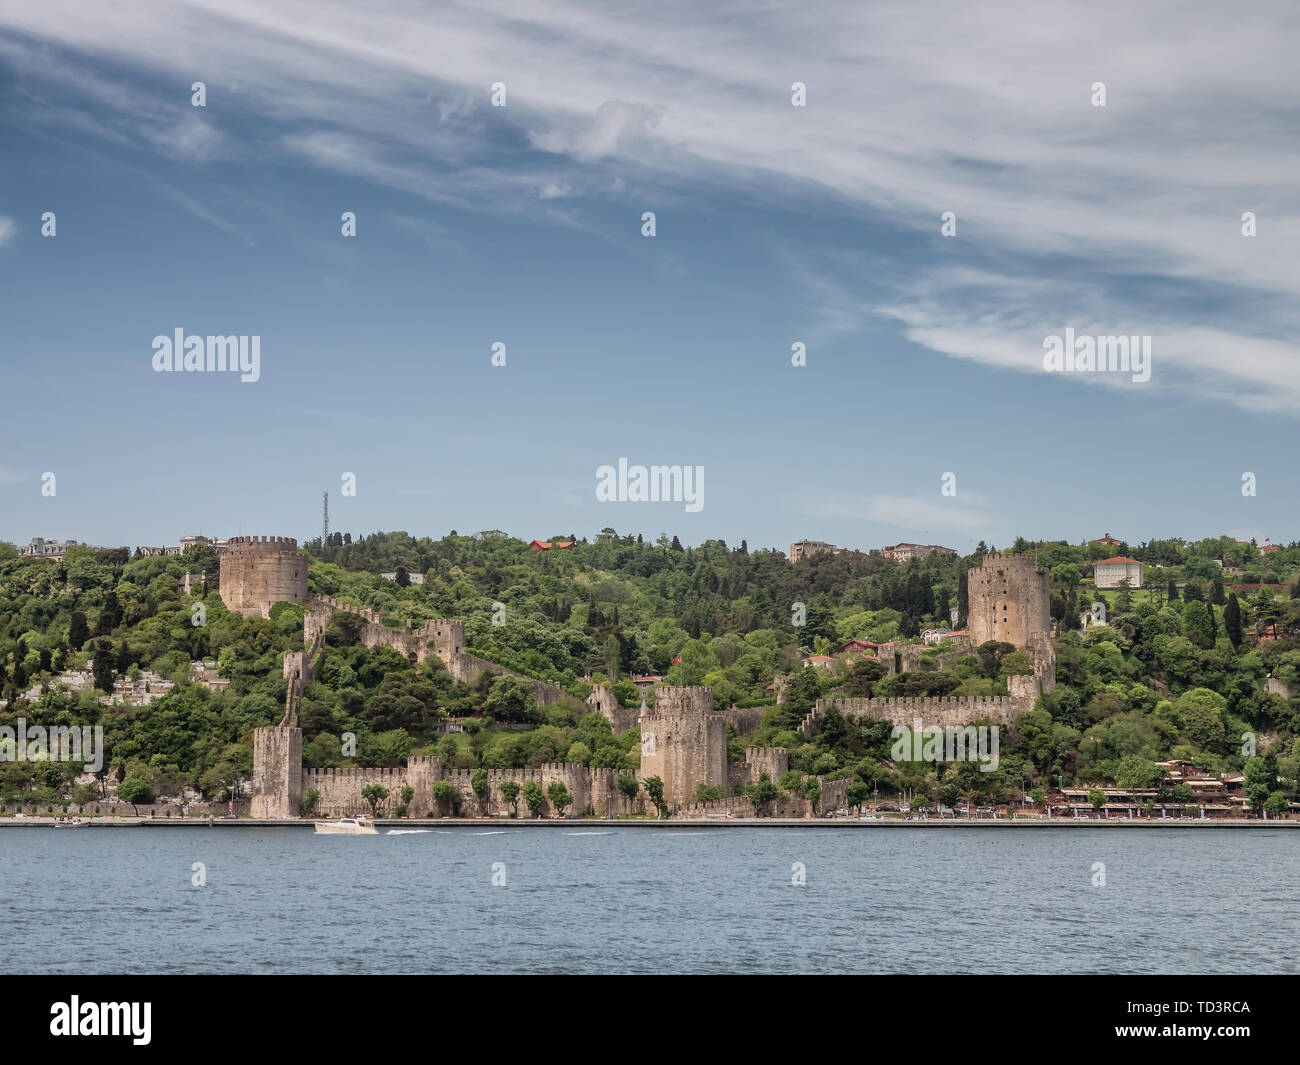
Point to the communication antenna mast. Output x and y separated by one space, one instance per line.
325 523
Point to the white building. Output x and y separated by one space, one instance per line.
1110 571
416 578
43 548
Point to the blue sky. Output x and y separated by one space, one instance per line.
522 224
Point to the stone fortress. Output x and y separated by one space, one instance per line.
683 738
1009 599
258 572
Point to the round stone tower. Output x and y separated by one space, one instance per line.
1009 600
257 573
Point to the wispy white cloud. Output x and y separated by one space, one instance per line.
1067 213
917 515
8 227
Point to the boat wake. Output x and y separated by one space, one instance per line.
408 831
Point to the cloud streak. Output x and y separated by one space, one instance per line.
1125 217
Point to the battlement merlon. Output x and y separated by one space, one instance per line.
684 699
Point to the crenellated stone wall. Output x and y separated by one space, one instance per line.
443 637
942 711
772 761
594 791
464 666
683 743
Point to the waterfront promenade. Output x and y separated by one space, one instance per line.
650 824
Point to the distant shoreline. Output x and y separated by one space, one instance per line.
735 822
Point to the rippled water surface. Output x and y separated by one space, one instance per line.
677 900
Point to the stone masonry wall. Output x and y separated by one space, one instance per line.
1009 600
683 742
593 790
277 780
444 637
603 701
258 573
774 761
463 667
944 711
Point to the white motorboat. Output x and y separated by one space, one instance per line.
69 822
348 826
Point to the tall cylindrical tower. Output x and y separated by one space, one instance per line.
257 573
1009 600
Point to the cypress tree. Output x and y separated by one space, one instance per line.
78 630
1232 621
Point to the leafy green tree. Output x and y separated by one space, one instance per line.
1197 625
534 797
1277 804
110 615
511 699
763 794
1202 712
1137 773
1097 797
220 781
310 801
510 793
627 785
374 794
1066 575
1017 663
479 783
135 788
443 796
654 787
560 796
862 677
1259 782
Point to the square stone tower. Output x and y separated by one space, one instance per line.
277 772
684 742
